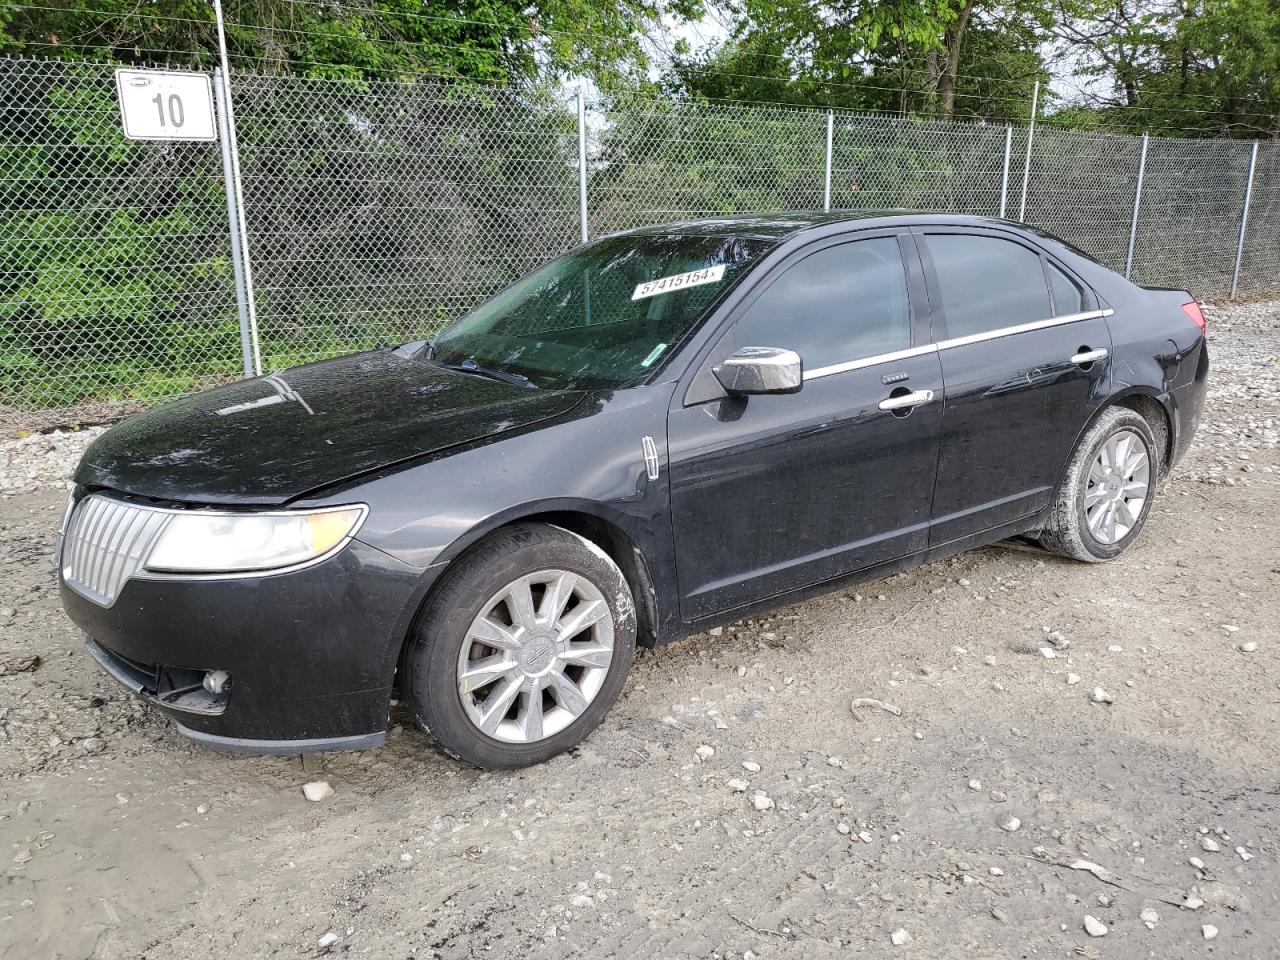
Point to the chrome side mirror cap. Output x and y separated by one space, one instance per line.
753 370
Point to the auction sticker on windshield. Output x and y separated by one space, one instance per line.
678 281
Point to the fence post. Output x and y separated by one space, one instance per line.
233 224
1244 219
1026 164
582 163
826 188
1137 203
231 149
1004 175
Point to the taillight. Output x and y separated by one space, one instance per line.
1192 310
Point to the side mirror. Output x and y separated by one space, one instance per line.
754 370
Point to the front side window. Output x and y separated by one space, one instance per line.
602 316
987 283
842 303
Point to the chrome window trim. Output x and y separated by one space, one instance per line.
1022 328
871 361
928 348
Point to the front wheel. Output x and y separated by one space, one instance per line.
1107 489
523 650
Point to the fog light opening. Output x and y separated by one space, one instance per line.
215 681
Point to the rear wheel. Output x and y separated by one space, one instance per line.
523 650
1107 489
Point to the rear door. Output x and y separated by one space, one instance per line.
772 493
1026 361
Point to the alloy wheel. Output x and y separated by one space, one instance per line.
1117 488
535 656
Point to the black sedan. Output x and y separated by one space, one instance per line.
655 433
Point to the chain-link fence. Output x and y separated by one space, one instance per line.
378 210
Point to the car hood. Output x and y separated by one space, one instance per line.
275 438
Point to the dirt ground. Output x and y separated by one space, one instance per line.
119 839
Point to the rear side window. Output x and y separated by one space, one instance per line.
987 283
842 303
1066 295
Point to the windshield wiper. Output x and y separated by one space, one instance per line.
470 366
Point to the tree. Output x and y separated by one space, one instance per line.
497 40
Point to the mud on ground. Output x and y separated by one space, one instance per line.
118 839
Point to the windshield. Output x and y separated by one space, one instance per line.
602 316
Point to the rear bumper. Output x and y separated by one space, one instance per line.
311 654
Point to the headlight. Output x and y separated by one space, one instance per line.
206 542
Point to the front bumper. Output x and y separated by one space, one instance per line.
311 653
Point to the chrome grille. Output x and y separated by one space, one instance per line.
105 543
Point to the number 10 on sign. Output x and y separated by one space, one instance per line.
165 105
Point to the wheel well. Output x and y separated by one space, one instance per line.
1151 410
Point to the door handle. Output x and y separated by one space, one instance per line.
1089 356
913 399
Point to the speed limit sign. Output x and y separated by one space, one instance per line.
165 105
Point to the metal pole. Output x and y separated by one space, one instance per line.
826 188
1004 176
1026 164
1137 203
234 186
582 163
1244 219
233 223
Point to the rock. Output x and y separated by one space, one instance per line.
581 901
1073 679
737 785
843 828
1209 844
998 914
1058 639
328 940
715 631
989 660
1150 918
761 801
1094 927
1249 646
317 790
975 784
899 937
203 808
93 744
1192 902
750 766
1209 931
1101 696
1245 855
1010 823
1048 653
995 871
877 704
1197 863
122 799
865 837
22 856
705 751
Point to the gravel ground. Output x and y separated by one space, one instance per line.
733 804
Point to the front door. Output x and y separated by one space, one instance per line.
772 493
1026 361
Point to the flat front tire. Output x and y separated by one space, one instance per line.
523 649
1107 489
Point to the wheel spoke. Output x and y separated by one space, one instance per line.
1127 517
482 672
496 707
1119 445
1135 490
1109 524
531 719
491 633
1137 461
566 692
520 603
558 593
587 655
581 617
1092 497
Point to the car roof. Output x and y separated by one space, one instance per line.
778 226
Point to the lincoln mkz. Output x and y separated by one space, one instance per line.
660 431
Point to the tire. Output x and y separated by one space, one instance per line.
482 621
1072 531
